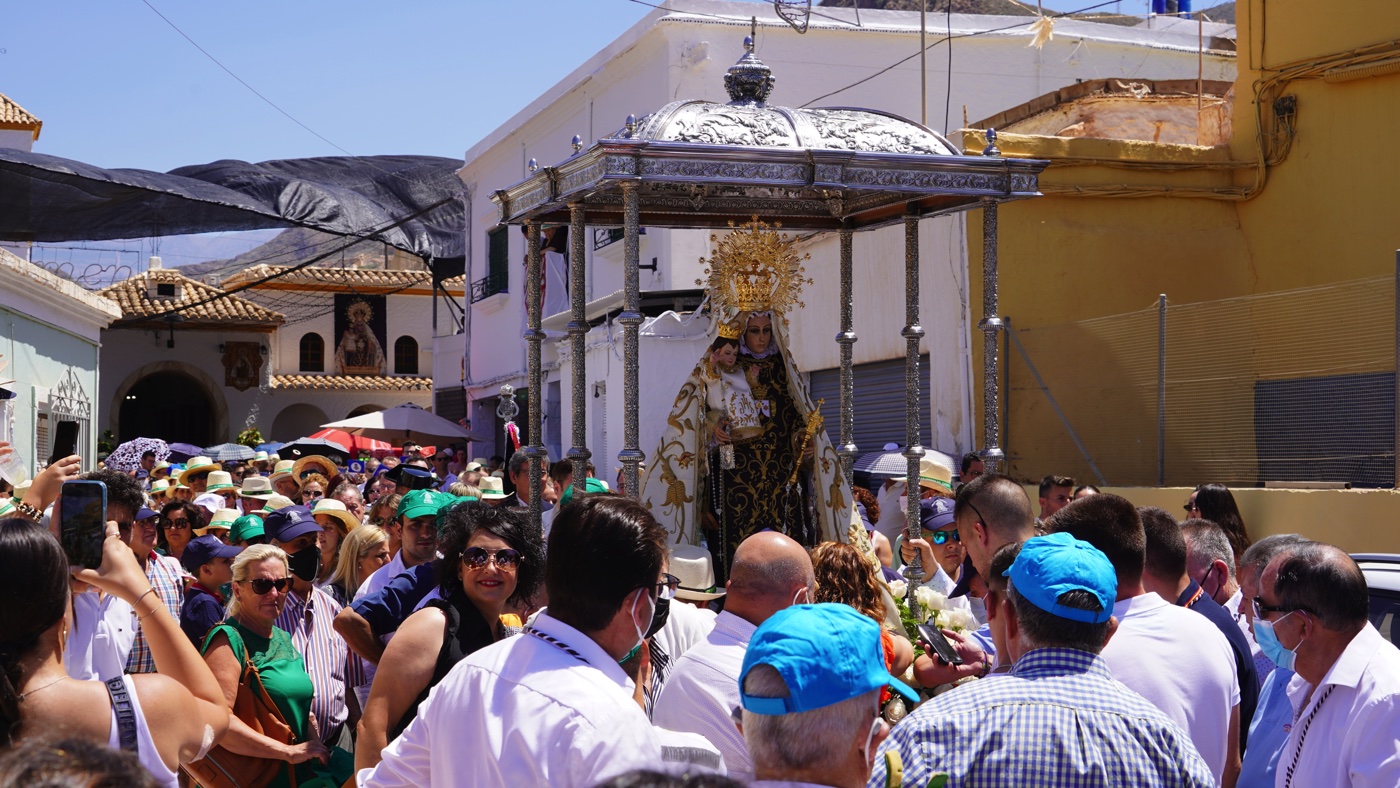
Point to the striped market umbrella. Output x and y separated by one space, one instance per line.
226 452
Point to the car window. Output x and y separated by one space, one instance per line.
1385 613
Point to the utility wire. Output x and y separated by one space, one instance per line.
902 61
244 83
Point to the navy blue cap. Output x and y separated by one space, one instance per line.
284 525
203 549
145 513
936 514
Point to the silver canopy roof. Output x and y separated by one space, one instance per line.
702 163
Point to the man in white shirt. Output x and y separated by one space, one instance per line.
1311 616
1175 658
770 573
552 706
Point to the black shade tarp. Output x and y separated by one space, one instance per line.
47 199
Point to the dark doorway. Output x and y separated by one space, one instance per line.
170 406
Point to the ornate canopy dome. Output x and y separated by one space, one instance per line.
748 120
703 163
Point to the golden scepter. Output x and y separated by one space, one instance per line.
814 423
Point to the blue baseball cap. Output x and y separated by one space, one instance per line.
145 513
936 514
284 525
203 549
1051 565
826 653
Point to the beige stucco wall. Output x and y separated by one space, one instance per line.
1354 520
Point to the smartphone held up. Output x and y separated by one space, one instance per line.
83 522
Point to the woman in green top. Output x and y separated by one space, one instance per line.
260 587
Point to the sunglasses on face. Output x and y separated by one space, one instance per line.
177 525
941 537
1191 507
262 585
199 477
666 589
312 495
505 558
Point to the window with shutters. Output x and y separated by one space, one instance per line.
497 278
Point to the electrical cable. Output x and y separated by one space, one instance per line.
904 60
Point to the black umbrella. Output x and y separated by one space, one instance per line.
305 447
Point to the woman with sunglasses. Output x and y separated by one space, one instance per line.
489 558
177 522
260 585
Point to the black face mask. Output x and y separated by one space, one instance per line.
305 563
659 616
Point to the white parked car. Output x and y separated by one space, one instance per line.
1382 572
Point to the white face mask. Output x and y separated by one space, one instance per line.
642 628
868 751
801 597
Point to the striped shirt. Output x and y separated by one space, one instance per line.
1058 718
309 622
168 579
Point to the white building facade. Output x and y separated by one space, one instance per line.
681 51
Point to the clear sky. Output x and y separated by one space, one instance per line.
117 86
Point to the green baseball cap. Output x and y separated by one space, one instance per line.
246 527
418 503
590 485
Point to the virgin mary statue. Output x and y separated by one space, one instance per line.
743 449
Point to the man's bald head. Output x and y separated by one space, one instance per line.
769 570
1324 581
991 511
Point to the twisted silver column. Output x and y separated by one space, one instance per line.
534 336
847 338
913 452
631 319
578 328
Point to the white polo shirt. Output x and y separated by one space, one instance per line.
104 630
530 710
1183 665
702 692
1346 732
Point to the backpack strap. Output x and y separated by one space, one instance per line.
126 713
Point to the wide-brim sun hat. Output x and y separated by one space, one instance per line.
256 487
933 475
282 470
492 488
197 465
335 509
696 570
322 465
220 480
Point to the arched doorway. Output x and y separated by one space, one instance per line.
297 421
363 409
171 406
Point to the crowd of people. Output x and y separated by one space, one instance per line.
288 622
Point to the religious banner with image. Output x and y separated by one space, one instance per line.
359 334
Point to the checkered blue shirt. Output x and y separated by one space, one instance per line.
1058 718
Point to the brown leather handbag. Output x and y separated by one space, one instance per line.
222 768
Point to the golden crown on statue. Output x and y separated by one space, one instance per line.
729 330
754 269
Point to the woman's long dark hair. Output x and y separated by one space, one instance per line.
1217 504
34 585
196 514
511 525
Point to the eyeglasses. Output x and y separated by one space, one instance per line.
177 525
666 589
941 537
973 506
1191 507
1261 610
506 559
199 477
262 585
312 495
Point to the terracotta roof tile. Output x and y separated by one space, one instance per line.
457 282
13 115
352 382
133 296
319 278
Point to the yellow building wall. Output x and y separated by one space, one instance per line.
1355 520
1196 229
